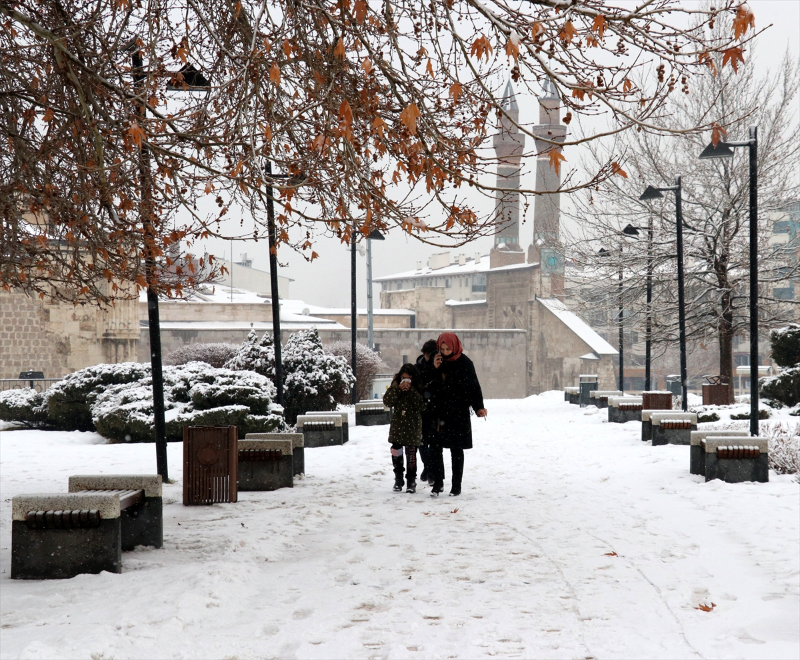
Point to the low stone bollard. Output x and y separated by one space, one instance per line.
572 394
599 398
672 428
143 520
298 451
734 460
623 409
697 458
320 430
372 413
345 420
265 464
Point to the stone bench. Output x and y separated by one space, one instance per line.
600 397
298 451
734 460
647 425
623 409
572 395
372 413
265 464
61 535
672 428
697 458
345 420
320 430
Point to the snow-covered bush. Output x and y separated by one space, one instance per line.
23 405
368 364
69 401
254 355
214 354
194 394
784 388
785 345
314 379
784 446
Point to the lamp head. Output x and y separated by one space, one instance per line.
375 235
630 230
650 193
602 252
722 150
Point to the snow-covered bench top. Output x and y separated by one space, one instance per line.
711 443
106 503
647 414
657 416
326 413
319 421
149 483
295 438
286 447
372 405
614 401
572 390
598 394
657 392
697 436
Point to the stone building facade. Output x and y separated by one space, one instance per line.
58 338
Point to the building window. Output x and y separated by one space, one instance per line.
479 283
405 359
447 283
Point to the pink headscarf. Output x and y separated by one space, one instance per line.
452 340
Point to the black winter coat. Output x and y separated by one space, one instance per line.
455 390
426 374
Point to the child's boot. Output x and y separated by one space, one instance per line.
397 464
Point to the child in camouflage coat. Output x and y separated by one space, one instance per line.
404 397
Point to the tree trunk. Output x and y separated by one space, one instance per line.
726 344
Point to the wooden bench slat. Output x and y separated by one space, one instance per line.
127 498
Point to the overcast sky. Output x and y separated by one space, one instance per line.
326 281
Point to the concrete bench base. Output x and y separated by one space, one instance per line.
313 439
53 554
266 475
142 523
736 470
697 457
364 418
574 399
672 436
622 416
298 454
328 413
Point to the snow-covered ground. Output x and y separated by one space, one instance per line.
572 539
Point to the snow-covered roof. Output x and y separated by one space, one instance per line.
594 341
293 322
468 268
589 356
515 267
454 303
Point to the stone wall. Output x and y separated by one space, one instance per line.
427 301
468 316
498 354
59 338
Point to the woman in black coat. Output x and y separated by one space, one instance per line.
455 389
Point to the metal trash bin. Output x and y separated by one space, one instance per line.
587 383
210 464
674 385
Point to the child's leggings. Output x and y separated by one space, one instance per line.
411 462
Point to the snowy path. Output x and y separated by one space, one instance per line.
341 567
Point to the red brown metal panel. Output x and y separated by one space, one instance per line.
657 401
715 395
210 462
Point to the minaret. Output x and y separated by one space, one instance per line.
508 144
546 248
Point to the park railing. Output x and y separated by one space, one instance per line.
38 384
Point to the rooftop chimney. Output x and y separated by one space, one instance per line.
462 259
477 258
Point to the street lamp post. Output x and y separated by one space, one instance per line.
723 150
192 80
353 312
655 193
274 292
374 235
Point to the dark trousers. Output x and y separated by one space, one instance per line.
437 465
410 463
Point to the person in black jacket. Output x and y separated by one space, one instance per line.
426 374
455 389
